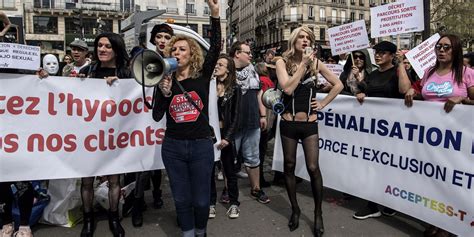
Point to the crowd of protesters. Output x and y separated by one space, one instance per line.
245 124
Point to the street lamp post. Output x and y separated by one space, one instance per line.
187 23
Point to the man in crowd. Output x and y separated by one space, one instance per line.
253 117
79 52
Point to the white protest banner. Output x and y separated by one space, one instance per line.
423 56
61 127
348 37
19 56
396 18
334 68
418 160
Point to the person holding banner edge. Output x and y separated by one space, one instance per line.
187 149
112 64
297 76
450 72
448 69
385 82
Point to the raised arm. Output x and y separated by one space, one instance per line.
215 40
289 83
6 23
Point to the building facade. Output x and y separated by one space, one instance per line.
190 13
53 24
273 20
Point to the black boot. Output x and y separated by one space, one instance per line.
114 224
88 226
137 215
318 224
157 201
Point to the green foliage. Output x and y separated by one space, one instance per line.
455 17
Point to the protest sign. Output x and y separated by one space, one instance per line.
60 127
415 160
19 56
348 37
423 56
396 18
334 68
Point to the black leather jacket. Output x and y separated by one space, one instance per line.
229 113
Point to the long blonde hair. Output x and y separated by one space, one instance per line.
289 54
197 59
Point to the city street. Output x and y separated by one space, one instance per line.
259 219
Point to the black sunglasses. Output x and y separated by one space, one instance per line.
359 56
446 47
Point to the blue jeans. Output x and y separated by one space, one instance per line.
189 164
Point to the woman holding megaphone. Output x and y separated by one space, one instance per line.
187 149
297 76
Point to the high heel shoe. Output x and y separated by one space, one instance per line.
318 225
114 224
88 226
294 220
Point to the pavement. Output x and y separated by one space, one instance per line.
258 219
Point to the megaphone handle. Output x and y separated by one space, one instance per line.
148 105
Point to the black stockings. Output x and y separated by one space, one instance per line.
87 192
311 152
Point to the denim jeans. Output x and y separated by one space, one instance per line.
189 164
246 143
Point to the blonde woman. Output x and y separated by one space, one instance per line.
187 148
297 76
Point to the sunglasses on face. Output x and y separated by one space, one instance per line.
358 56
446 47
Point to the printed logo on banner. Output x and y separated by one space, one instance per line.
182 111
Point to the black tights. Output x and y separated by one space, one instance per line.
25 194
87 192
311 152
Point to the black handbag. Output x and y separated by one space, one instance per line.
190 100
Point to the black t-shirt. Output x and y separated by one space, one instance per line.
250 117
383 84
183 120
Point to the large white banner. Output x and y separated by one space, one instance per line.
396 18
423 56
419 160
20 56
68 127
348 37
